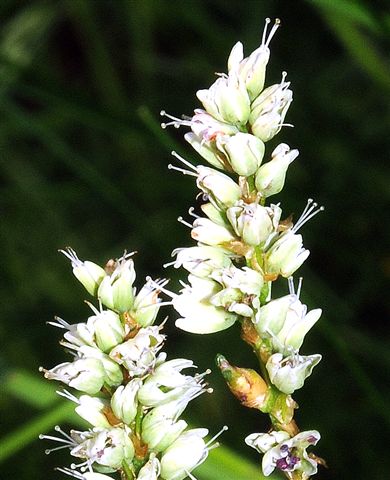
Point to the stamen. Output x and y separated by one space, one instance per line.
223 429
59 323
309 212
169 264
69 396
300 281
71 255
161 288
266 40
181 220
184 161
176 122
181 170
191 212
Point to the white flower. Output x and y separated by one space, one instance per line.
221 189
185 453
289 373
202 260
208 232
284 453
198 315
139 354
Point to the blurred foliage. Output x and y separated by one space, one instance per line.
83 163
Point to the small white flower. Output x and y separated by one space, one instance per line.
202 260
198 315
271 176
139 354
124 401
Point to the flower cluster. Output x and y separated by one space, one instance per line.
245 244
130 394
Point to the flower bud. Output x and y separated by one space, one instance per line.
95 476
205 150
252 69
271 176
215 214
108 328
244 152
146 305
271 317
161 433
92 410
269 109
221 189
206 231
198 315
124 401
201 261
289 374
185 453
87 273
151 469
85 374
245 384
226 100
285 255
116 291
252 222
113 373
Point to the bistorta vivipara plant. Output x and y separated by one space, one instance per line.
126 389
129 393
244 245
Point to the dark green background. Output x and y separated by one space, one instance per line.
84 163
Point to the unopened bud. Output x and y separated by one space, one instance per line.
271 176
244 152
245 384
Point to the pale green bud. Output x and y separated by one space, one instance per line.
252 69
288 374
108 328
92 409
227 100
221 189
252 222
269 109
161 433
113 373
271 176
85 374
198 315
206 231
270 317
244 152
87 273
124 401
201 261
116 291
146 305
185 453
285 255
151 469
215 214
205 150
297 324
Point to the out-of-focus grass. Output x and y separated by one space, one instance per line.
83 163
